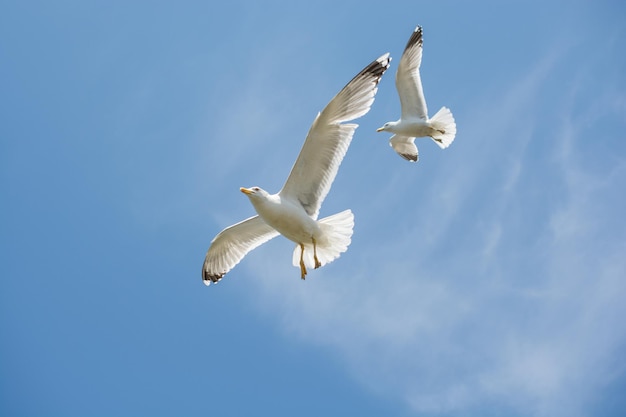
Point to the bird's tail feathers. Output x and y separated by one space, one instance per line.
336 237
444 127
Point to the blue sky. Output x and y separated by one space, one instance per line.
488 279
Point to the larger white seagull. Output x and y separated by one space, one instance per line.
293 211
414 121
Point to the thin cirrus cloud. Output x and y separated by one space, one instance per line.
485 280
493 293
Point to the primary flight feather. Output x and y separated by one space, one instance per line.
293 211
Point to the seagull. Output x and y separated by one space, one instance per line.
414 121
293 211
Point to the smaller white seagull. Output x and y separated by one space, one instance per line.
414 121
293 211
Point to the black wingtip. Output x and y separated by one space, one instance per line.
210 278
409 157
415 39
378 67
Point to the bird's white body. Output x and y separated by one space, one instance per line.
412 127
414 121
286 216
318 241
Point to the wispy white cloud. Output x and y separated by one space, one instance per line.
501 285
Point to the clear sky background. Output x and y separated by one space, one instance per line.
488 279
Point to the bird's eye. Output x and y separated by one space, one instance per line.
256 188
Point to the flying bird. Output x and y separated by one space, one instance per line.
293 211
414 121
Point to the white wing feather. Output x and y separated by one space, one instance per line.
405 147
408 81
232 244
328 139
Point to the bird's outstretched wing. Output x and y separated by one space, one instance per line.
232 244
328 139
405 146
408 81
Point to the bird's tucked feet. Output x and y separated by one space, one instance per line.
302 267
317 262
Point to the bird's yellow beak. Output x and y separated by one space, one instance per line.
246 190
380 129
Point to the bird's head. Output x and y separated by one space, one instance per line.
254 192
384 127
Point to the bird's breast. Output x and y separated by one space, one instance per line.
289 219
